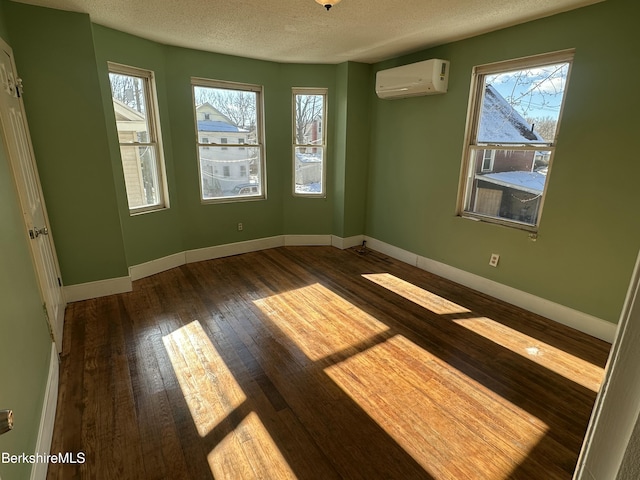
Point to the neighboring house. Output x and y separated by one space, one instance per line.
308 160
509 183
132 128
225 170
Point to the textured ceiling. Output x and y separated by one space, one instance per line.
301 31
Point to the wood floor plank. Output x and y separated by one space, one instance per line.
318 363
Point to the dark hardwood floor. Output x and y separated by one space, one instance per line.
317 363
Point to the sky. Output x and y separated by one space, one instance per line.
534 92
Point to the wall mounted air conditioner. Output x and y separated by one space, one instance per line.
421 78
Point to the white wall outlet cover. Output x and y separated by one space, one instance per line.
494 259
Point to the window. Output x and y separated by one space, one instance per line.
309 141
230 115
138 126
514 114
488 158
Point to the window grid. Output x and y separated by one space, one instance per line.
233 167
309 111
505 174
138 127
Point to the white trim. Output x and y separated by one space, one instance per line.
617 408
228 249
306 240
567 316
158 265
344 243
393 251
48 416
100 288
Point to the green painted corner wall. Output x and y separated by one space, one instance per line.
55 57
25 345
360 88
351 146
589 234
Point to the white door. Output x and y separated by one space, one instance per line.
18 143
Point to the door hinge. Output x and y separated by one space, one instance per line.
59 282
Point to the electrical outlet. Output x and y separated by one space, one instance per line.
494 259
240 227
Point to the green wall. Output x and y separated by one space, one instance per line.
4 31
589 233
25 345
55 56
355 84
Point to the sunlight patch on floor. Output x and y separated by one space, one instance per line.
403 387
207 384
248 452
417 295
558 361
569 366
319 321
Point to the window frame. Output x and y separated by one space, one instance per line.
471 144
324 93
155 133
260 137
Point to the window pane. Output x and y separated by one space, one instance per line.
129 104
225 114
140 175
522 106
309 142
512 189
309 115
228 172
308 169
134 107
231 165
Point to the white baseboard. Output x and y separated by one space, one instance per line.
156 266
229 249
348 242
100 288
48 417
581 321
306 240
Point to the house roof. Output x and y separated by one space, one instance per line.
216 126
218 122
530 182
124 113
501 123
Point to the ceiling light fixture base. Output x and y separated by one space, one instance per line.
327 3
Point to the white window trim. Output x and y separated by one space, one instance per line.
492 159
473 109
155 133
323 131
260 145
